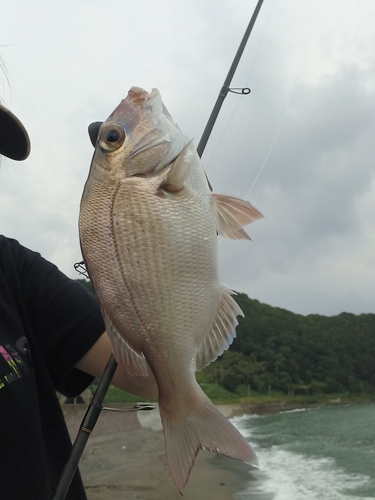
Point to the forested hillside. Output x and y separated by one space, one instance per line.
277 350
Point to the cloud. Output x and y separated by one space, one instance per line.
308 254
305 133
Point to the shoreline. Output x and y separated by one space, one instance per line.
113 470
273 407
125 456
133 464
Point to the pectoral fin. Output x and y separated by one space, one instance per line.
223 330
232 214
177 173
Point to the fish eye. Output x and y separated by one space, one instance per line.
112 137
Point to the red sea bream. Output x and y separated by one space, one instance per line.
148 229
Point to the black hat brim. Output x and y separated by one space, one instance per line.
14 140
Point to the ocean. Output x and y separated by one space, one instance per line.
325 453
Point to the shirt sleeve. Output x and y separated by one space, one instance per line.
65 318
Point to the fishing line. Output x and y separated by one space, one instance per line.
269 150
239 102
5 82
246 85
261 42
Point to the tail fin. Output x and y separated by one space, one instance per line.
201 427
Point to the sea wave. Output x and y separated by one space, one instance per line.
297 410
286 475
311 455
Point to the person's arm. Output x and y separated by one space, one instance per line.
95 361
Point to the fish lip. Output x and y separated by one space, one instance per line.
142 105
139 96
128 112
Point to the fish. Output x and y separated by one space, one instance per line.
149 227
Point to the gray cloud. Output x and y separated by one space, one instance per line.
309 119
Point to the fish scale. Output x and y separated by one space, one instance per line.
161 302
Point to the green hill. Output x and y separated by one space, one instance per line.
277 350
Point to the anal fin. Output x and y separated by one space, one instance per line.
131 361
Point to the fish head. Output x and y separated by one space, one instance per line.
139 137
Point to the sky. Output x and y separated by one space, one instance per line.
300 146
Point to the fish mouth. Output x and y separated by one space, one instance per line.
139 96
130 110
145 113
138 100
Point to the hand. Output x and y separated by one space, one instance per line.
95 361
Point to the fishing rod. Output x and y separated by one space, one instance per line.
88 423
225 88
95 407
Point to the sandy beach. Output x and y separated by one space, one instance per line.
125 456
125 459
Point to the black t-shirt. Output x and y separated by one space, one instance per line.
47 323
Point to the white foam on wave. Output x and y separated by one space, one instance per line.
286 475
241 424
296 410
